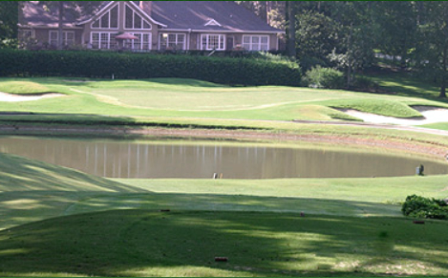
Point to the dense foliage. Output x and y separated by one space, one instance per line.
421 207
233 71
8 24
319 77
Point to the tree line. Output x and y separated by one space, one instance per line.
348 34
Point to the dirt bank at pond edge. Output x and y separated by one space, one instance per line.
424 148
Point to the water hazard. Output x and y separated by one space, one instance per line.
155 159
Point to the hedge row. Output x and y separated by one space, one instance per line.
97 64
421 207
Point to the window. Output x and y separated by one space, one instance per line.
103 40
143 43
256 43
68 38
212 42
134 21
108 21
172 41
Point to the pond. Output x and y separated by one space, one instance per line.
190 159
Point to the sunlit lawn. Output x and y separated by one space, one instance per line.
198 99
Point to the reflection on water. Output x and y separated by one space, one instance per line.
119 159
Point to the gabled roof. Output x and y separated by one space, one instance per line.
185 15
211 16
36 14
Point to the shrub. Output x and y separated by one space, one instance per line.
319 77
231 71
420 207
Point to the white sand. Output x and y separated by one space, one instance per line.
4 97
430 115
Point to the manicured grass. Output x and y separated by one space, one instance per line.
195 99
23 87
60 222
185 243
351 227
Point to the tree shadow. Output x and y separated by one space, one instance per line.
408 85
145 243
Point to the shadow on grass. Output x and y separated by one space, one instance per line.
185 82
404 84
149 243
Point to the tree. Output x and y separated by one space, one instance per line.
8 21
317 36
433 43
291 28
63 8
354 50
396 23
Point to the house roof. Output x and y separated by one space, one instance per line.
211 16
36 14
207 16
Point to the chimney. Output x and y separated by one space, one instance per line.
146 6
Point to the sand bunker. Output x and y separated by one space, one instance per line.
430 115
18 98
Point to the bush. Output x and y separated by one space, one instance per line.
420 207
319 77
99 64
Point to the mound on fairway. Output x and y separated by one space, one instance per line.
150 243
24 88
20 174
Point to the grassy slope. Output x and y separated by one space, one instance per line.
258 239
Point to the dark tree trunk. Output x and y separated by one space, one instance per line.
349 58
291 29
60 24
404 56
443 82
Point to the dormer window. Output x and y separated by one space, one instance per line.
212 22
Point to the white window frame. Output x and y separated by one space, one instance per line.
100 41
133 20
139 42
176 41
221 42
65 40
107 13
257 46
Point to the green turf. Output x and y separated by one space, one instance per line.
196 99
60 222
23 87
185 243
